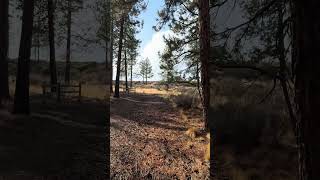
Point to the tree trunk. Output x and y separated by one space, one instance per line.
131 75
117 94
111 54
4 43
126 68
38 52
109 65
307 86
108 46
38 42
67 72
53 69
204 19
282 59
21 100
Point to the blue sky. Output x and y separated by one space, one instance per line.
149 17
152 41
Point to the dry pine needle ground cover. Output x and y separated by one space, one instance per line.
148 141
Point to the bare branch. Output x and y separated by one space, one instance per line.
257 15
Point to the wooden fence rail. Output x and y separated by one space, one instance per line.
61 90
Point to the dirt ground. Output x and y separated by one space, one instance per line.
58 141
148 141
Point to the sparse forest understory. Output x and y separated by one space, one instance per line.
255 137
242 74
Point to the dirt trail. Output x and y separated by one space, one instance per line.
148 141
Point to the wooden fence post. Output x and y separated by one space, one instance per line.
79 92
58 92
43 89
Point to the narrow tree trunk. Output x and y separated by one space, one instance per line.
143 79
68 65
34 47
282 59
198 81
204 19
109 66
131 75
108 46
4 43
21 100
126 68
38 51
117 94
293 45
111 55
37 35
38 42
307 86
53 69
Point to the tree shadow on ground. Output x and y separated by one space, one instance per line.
67 140
151 110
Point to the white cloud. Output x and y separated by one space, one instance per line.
151 50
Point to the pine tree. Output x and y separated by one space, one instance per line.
67 9
146 70
125 11
53 69
21 99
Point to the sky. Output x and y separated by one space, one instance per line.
152 41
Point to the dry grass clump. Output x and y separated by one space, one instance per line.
253 138
185 98
184 101
239 117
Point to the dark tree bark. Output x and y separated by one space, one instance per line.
109 66
111 55
117 94
126 68
204 19
146 78
307 86
21 100
4 43
131 74
111 76
38 42
198 80
68 65
53 69
126 59
109 46
282 59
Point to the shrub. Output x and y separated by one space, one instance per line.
244 127
184 101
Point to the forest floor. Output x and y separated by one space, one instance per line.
57 141
148 140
